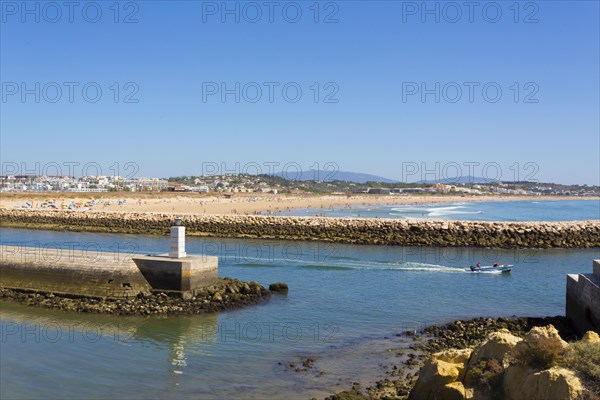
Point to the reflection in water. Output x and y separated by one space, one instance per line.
177 334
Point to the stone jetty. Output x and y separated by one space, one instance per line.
85 280
569 234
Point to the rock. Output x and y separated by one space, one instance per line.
554 383
559 383
541 345
454 356
434 374
245 288
278 287
544 335
497 346
590 337
451 391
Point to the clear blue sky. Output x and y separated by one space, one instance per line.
375 56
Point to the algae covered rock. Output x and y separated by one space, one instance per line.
280 287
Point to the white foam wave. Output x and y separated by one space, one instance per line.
443 213
457 209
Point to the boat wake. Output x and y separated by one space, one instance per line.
387 266
352 264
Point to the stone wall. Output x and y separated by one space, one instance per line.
571 234
583 299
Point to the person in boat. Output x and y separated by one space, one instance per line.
496 264
478 265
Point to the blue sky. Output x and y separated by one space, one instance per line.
369 60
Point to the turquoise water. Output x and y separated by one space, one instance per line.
343 300
543 210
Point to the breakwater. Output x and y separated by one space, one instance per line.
225 294
110 282
569 234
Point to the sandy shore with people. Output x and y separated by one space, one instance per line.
244 204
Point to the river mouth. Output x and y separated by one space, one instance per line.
337 316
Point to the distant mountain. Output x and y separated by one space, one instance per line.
329 176
459 179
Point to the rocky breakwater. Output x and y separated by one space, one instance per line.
569 234
226 294
540 366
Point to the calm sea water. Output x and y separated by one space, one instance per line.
343 301
562 210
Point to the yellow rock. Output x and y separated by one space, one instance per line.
497 345
545 338
543 335
556 383
451 391
469 394
454 356
591 337
434 374
457 357
559 383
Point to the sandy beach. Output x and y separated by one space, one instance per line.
244 204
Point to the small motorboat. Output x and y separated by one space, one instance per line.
490 269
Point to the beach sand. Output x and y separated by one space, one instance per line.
250 203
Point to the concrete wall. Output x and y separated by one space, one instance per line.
102 274
180 274
572 234
583 299
72 272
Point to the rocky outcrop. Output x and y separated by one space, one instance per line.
502 365
451 391
496 346
591 337
280 287
571 234
555 383
226 294
435 375
540 345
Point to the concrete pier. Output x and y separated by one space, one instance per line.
583 299
85 272
70 272
184 274
177 271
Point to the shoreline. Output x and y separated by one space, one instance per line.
240 204
400 377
